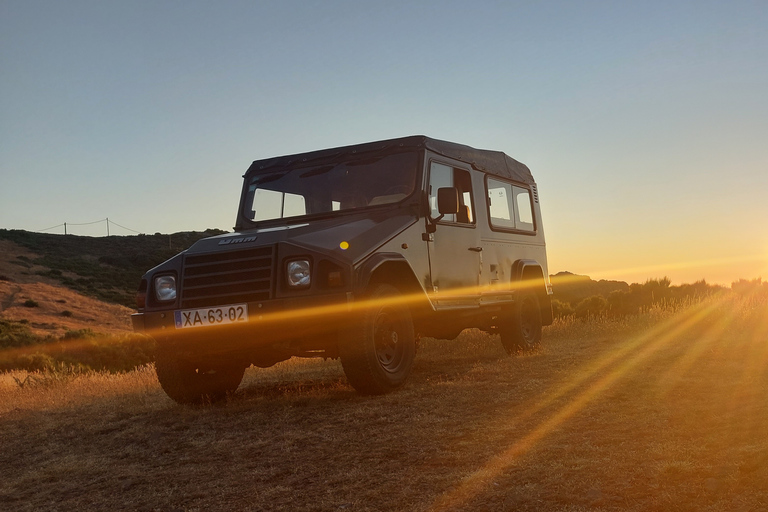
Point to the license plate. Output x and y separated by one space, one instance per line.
202 317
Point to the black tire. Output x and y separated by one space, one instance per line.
188 382
521 329
377 355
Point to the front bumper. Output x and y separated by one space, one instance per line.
269 322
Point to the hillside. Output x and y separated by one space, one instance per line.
105 268
67 300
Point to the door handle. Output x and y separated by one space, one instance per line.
476 249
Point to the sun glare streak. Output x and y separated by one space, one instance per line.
694 352
278 319
611 358
320 313
645 346
64 345
756 354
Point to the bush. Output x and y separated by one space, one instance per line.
591 307
29 303
561 309
747 288
67 313
16 334
33 362
622 303
79 334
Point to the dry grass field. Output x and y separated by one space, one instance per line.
664 411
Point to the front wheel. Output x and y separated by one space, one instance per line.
521 329
195 382
377 355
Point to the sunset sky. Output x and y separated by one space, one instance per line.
645 125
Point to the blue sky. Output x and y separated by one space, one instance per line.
645 124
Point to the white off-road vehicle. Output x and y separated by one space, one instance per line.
353 253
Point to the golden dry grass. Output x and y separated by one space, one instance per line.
47 319
666 411
25 282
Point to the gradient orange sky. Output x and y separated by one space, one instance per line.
644 124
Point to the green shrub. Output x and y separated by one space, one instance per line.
78 334
16 334
561 309
29 303
34 362
591 307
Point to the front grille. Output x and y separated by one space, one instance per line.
228 277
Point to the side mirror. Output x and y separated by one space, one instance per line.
447 200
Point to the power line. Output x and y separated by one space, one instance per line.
127 229
52 227
85 223
105 220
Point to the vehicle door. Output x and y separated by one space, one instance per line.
455 255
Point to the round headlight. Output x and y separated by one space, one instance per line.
298 273
165 288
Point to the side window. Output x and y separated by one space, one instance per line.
440 176
500 201
523 211
509 206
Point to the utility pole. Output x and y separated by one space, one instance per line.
107 226
65 228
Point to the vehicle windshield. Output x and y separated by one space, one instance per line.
348 185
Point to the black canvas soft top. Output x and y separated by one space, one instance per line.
491 162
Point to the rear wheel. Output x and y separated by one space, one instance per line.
195 382
521 329
377 356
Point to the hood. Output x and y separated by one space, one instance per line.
363 233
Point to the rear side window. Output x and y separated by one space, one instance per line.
510 206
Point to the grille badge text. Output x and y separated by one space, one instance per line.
228 241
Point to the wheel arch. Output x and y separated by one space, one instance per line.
391 268
528 275
394 269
